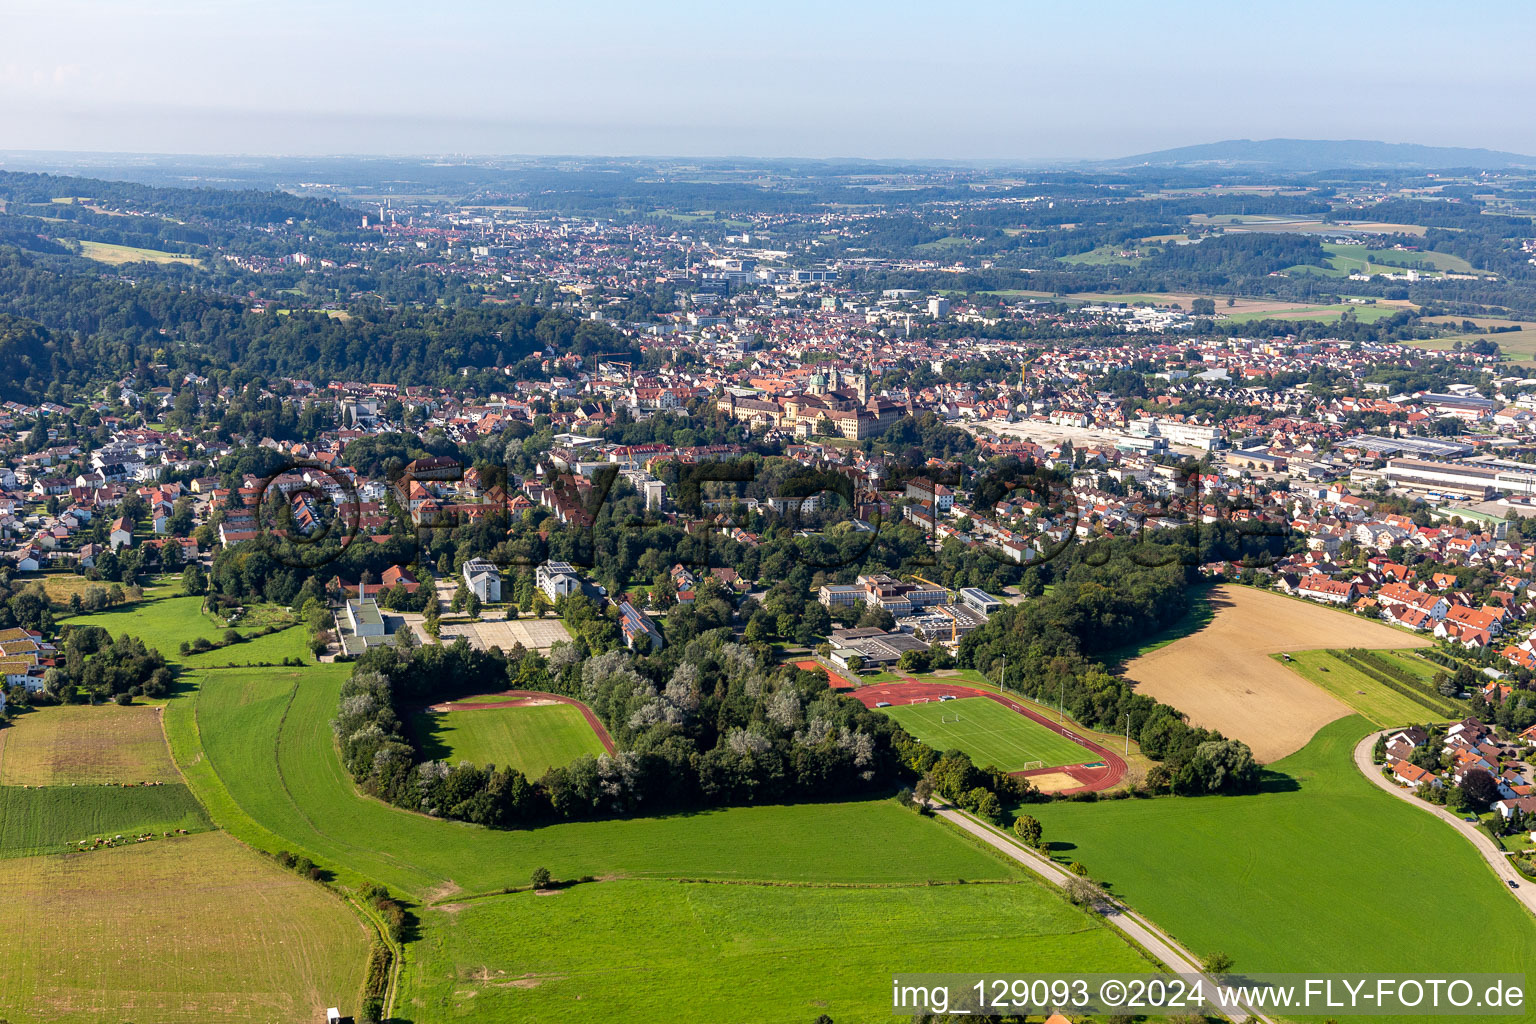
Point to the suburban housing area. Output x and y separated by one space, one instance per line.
410 569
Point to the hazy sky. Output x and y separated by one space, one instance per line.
1074 78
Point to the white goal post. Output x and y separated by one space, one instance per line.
1031 765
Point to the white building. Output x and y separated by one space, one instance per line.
483 580
363 618
1194 435
557 580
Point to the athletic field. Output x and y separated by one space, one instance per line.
531 738
990 733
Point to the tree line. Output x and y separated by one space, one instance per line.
1044 649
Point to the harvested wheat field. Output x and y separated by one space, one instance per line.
82 745
1223 678
177 931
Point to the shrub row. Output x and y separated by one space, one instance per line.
396 920
1372 673
303 865
231 637
1406 677
1402 675
376 983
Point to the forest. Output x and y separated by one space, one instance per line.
67 329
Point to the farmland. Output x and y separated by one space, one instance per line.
1291 878
62 746
989 732
117 255
1381 704
1245 310
302 798
1287 223
1344 260
531 739
1518 344
791 953
257 747
186 925
1363 313
179 931
56 818
1221 675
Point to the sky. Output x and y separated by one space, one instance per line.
1020 80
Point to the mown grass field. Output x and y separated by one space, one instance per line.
1344 260
733 952
164 623
1379 703
1518 345
799 911
116 255
531 739
61 586
1365 314
270 758
1297 877
178 931
1130 751
271 649
990 733
56 818
60 746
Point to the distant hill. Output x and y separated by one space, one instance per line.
1321 155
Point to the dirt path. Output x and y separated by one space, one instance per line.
1107 774
530 698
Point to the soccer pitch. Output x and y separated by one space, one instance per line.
990 733
531 739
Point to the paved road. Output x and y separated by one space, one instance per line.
1495 857
1173 955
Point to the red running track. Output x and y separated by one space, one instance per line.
523 698
1100 778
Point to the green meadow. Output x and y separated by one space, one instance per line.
791 910
1344 260
689 951
990 733
1383 705
530 739
270 759
1321 871
165 622
52 819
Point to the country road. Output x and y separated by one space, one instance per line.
1495 857
1165 949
